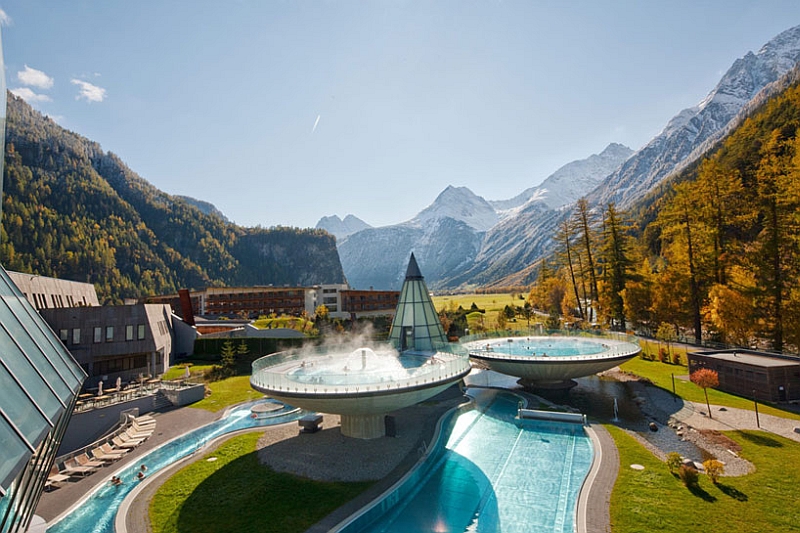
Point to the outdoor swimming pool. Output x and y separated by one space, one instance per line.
495 473
541 346
97 512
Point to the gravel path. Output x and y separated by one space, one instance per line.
691 423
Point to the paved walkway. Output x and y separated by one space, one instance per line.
169 424
695 414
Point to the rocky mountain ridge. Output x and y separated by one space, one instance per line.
448 236
526 223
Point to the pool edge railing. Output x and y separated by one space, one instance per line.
555 416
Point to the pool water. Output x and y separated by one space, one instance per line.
96 514
543 346
361 367
497 474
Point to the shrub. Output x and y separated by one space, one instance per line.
676 358
673 461
663 355
714 469
688 475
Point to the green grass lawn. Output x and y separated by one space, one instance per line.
655 500
237 493
195 369
227 392
661 375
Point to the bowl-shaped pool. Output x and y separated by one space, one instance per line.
547 361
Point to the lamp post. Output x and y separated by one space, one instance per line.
755 402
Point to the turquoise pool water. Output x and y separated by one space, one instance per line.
97 513
540 346
495 473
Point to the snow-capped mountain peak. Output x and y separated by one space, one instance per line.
570 182
694 126
341 228
459 203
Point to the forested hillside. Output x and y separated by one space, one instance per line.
72 211
715 257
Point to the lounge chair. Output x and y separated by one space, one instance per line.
132 433
109 449
101 454
124 437
55 479
143 429
73 468
85 460
145 420
119 443
129 434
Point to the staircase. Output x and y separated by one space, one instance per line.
160 401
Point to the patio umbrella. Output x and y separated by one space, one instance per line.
100 388
119 383
186 373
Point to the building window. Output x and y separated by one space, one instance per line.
76 335
129 332
98 334
140 333
63 335
109 333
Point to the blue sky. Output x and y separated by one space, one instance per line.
282 112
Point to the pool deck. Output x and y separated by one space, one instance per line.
414 424
169 424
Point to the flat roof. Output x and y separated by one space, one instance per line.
750 359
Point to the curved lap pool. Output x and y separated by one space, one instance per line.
97 512
495 473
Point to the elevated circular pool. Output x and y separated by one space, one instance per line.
551 361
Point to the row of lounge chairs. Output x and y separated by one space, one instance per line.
89 462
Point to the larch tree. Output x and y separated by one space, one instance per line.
682 225
775 249
585 221
564 238
615 264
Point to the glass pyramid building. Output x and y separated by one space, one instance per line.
416 326
40 382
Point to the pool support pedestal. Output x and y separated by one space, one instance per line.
363 426
530 384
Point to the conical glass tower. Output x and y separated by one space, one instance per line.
416 326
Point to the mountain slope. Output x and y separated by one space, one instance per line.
341 228
526 238
691 127
447 237
444 237
72 211
571 181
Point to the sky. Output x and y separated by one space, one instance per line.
282 112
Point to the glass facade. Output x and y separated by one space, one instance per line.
416 324
39 381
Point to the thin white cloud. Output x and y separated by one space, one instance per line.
34 78
316 122
5 20
29 96
89 92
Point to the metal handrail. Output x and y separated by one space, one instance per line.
271 373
